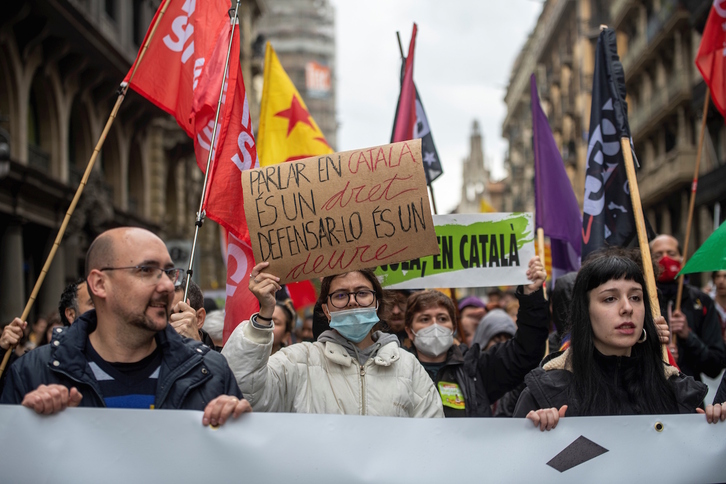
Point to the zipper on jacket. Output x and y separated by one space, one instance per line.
363 389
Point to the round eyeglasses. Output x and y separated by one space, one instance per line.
340 299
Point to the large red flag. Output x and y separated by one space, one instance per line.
182 73
711 52
175 58
406 113
234 151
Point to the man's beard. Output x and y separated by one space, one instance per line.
396 325
143 321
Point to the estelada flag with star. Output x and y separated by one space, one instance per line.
710 59
287 131
411 121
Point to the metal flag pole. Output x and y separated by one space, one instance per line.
200 213
122 90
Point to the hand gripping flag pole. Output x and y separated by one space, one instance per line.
200 213
122 90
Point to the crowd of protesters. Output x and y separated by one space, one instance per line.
124 336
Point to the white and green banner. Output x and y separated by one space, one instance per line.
476 250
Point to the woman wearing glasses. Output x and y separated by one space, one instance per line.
351 368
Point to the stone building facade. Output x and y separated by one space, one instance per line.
302 32
658 42
560 52
60 66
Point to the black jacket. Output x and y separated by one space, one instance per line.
721 392
549 386
484 377
703 351
191 374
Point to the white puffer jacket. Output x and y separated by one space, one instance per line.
324 378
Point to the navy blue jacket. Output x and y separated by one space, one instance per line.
191 375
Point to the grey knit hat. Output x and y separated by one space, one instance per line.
493 323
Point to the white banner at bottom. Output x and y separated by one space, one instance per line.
107 445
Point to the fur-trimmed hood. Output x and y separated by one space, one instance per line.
562 361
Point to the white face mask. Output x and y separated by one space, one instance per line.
434 340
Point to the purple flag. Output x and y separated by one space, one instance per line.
556 209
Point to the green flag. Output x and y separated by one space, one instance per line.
711 256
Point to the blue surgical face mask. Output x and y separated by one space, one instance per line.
354 324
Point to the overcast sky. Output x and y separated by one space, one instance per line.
464 54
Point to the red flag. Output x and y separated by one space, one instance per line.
241 303
406 114
175 58
234 151
302 293
206 95
711 52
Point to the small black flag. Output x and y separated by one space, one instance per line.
607 209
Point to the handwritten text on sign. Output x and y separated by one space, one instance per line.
477 250
340 212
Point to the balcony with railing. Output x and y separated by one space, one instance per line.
645 44
664 98
618 8
667 173
636 48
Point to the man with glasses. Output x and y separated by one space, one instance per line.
124 354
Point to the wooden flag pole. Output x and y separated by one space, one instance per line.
642 235
541 254
692 203
79 191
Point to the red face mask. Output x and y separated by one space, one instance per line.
669 269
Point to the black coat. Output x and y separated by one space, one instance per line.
484 377
721 392
191 375
549 386
703 351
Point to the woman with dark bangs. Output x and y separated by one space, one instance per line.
613 365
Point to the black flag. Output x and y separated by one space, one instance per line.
429 154
608 211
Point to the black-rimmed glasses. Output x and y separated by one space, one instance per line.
151 274
340 299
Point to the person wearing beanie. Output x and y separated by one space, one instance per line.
495 327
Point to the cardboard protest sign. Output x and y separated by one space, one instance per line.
477 250
340 212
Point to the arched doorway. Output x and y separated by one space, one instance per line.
42 125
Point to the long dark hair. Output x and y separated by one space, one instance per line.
645 384
320 320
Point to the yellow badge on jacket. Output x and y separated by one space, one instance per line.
451 395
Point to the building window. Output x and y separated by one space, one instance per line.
109 6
